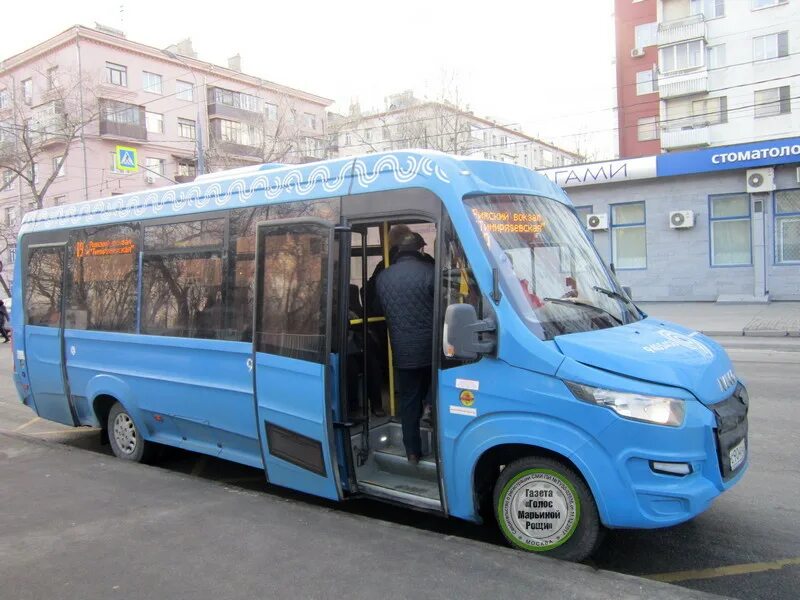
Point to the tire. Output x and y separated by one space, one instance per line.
542 505
126 441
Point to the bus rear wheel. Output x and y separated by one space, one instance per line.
542 505
125 438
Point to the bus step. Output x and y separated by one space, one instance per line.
391 462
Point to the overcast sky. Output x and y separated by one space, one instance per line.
545 65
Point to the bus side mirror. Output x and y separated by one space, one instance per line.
462 327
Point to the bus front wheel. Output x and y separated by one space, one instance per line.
542 505
125 438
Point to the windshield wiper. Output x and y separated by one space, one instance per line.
612 294
566 302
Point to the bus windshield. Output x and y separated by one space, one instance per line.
551 272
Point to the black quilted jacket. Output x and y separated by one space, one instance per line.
405 291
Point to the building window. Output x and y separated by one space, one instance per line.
645 82
646 35
52 78
154 122
186 168
114 168
787 226
8 180
710 111
5 101
249 102
151 82
116 74
767 3
155 165
34 172
271 111
184 90
311 121
628 238
9 216
710 9
187 129
715 56
119 112
679 57
647 129
230 131
730 230
769 46
59 200
774 101
59 170
27 91
252 135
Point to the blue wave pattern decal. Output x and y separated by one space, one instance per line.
251 187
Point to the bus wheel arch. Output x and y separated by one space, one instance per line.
121 430
505 467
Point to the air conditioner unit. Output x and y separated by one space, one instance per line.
597 222
149 178
760 180
637 52
681 219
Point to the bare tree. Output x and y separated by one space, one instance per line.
32 133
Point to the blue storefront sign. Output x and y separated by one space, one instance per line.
723 158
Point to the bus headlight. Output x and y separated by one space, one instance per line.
651 409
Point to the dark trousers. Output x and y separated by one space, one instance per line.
412 389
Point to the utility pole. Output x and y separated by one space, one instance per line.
200 167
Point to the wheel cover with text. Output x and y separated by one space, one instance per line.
538 509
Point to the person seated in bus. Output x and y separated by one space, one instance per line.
405 292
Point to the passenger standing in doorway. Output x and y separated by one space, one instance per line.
405 292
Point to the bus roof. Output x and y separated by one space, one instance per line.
444 174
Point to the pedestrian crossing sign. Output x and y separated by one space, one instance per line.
126 159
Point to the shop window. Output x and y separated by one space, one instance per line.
101 286
730 230
628 237
787 227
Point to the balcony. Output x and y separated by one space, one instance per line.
225 104
682 30
122 120
683 84
672 139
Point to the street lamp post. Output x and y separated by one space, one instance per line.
200 167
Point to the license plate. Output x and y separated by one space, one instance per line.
737 454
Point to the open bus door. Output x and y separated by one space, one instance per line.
295 371
44 332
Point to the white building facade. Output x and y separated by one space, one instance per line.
410 123
727 72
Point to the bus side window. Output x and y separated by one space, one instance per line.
44 275
103 273
458 283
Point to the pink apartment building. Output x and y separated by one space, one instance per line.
155 101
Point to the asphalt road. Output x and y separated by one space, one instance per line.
746 546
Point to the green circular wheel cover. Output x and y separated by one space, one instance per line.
539 509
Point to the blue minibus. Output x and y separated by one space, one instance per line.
235 316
